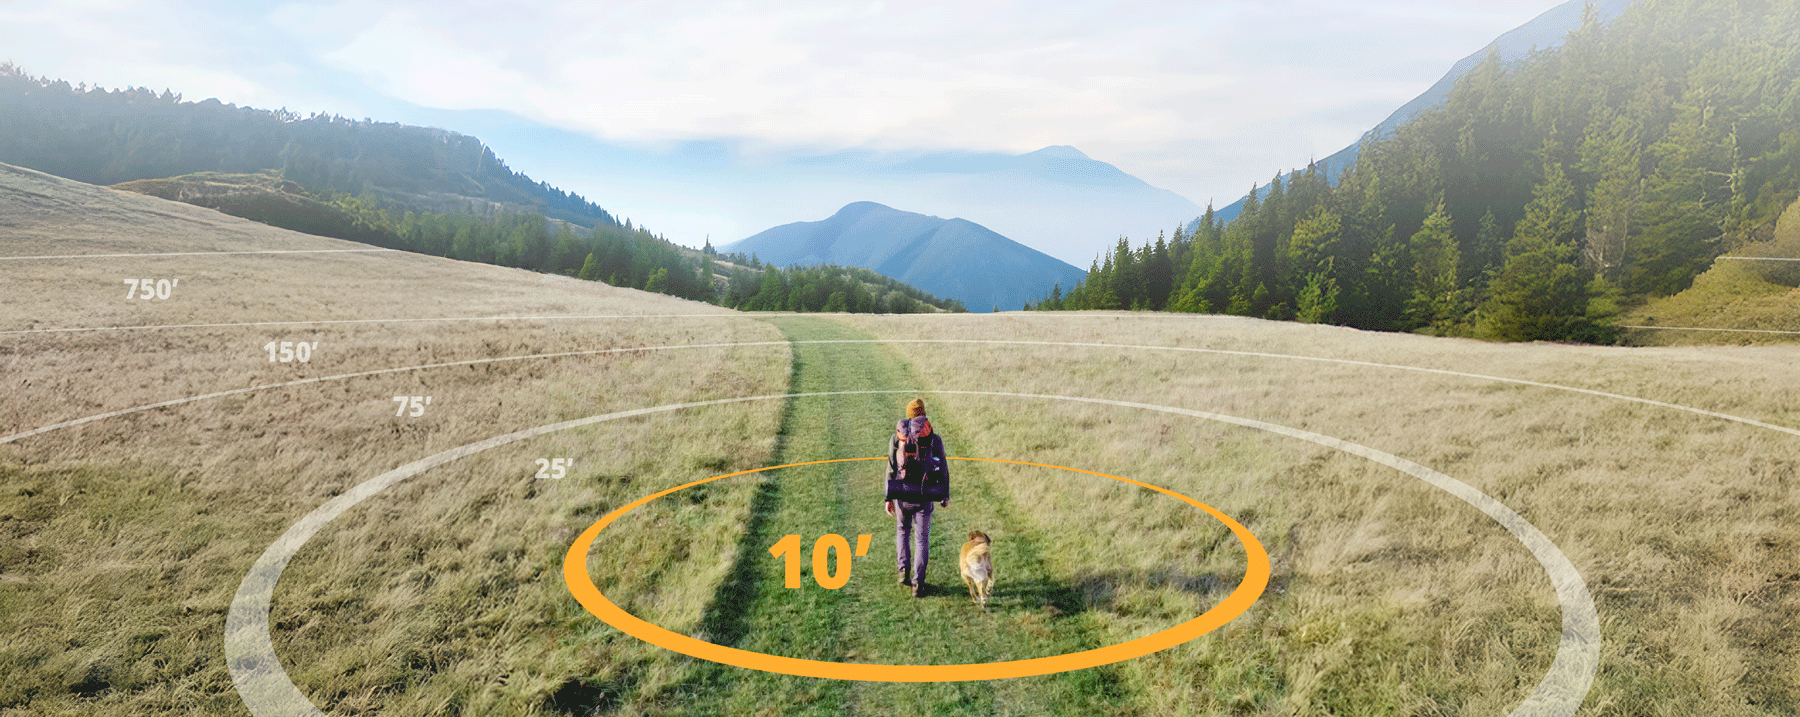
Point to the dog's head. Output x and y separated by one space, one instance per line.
978 535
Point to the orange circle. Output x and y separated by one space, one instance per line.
575 573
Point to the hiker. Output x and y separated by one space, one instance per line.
918 474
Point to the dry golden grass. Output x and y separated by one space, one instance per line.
1391 596
124 539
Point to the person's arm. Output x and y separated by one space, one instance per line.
944 462
893 469
893 462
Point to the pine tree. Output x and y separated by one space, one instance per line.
1437 297
1315 239
466 247
772 294
1127 276
1158 274
1684 204
1541 294
658 282
1102 292
861 301
708 292
1240 304
1490 247
1610 152
1317 303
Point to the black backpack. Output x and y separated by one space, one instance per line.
920 479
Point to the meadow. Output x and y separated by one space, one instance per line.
122 540
1755 298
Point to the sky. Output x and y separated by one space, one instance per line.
1201 98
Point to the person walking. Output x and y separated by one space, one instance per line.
918 474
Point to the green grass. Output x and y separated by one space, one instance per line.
1748 295
872 619
1730 295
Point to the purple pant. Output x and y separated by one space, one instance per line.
912 537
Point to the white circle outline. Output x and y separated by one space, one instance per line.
593 352
267 690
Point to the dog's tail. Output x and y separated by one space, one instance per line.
979 563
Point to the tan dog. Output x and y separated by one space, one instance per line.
978 567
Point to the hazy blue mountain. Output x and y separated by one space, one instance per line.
1542 32
951 258
1056 199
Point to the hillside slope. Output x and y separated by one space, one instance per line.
48 216
1737 301
131 618
1534 204
1541 33
107 137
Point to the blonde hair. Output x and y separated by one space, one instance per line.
916 408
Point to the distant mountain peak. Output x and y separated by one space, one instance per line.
952 258
855 208
1059 151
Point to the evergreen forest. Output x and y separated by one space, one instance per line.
1539 199
105 137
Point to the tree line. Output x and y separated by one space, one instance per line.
620 255
380 183
106 137
632 258
828 288
1530 205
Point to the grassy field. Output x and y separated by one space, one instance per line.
1398 598
122 540
1757 299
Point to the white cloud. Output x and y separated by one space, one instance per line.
208 52
1188 95
1008 77
1118 79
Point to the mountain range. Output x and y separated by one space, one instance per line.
1055 203
1056 199
952 258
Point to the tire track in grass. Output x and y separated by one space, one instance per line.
752 609
872 619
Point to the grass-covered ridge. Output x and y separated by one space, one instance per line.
92 134
1745 296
